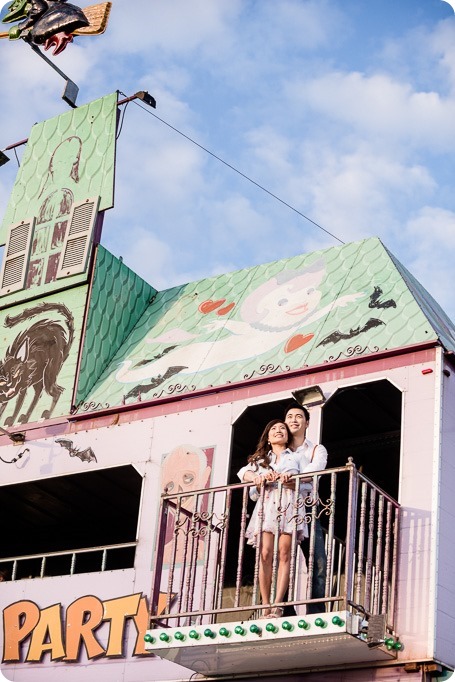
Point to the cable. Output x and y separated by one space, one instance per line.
122 120
236 170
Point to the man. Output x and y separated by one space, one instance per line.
313 458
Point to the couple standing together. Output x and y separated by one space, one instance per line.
284 450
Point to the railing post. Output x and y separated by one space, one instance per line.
330 539
350 530
158 561
223 550
238 580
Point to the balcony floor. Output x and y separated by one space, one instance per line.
284 650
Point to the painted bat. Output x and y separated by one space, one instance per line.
376 303
336 336
86 455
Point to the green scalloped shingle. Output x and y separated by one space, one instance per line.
118 299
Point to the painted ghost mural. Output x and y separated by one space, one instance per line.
281 313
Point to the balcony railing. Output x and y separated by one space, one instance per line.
70 562
205 573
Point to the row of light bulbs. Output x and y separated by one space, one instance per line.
241 630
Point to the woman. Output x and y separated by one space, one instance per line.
275 510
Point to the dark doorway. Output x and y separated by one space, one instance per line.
364 422
247 430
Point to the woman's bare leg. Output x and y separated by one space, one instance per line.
284 555
265 566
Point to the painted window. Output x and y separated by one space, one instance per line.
76 247
16 258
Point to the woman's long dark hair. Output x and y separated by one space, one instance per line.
261 456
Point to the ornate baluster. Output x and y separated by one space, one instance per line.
361 543
224 540
278 492
311 501
378 562
351 529
385 584
238 580
178 526
257 558
330 537
369 563
296 516
192 567
206 532
393 582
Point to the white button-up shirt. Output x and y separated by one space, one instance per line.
304 454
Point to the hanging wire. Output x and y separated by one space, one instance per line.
236 170
122 120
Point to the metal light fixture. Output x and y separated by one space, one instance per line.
17 438
3 158
147 98
310 396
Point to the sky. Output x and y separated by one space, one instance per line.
344 109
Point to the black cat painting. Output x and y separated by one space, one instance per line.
34 359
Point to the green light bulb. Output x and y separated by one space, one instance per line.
255 629
389 641
193 634
209 633
224 632
180 636
303 624
320 623
239 630
336 620
164 637
397 646
148 638
270 627
287 626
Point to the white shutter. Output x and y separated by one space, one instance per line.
16 257
78 238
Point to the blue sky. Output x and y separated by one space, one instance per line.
345 109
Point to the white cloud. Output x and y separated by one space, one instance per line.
430 252
178 27
379 106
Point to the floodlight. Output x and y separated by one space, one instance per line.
147 98
312 395
3 158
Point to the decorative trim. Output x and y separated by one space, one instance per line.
267 369
174 389
351 351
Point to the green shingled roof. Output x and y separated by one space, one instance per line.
350 300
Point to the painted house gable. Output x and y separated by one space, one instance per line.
354 300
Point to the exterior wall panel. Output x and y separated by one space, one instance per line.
445 560
144 443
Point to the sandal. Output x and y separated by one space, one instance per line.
276 612
267 613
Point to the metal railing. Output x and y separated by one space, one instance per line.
70 562
205 573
